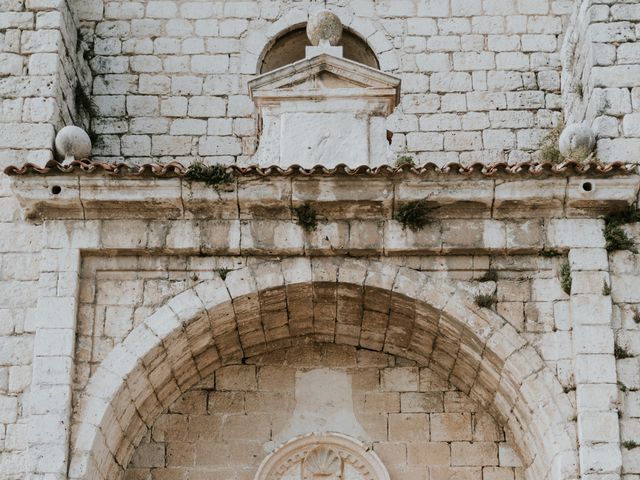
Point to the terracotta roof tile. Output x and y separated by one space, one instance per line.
175 169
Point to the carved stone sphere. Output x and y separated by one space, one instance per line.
73 143
577 136
324 25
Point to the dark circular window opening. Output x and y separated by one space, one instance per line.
291 46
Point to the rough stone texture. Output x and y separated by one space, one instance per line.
454 60
481 81
217 430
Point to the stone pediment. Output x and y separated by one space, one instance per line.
325 77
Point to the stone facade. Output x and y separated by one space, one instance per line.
153 327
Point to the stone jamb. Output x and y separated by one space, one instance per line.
50 406
165 330
595 363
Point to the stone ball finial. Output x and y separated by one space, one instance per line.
577 136
324 27
73 143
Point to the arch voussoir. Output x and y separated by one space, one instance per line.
372 305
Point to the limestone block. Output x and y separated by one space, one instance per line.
575 233
598 427
600 397
408 427
450 427
624 289
601 458
474 454
589 282
399 379
595 369
593 339
8 409
271 235
521 199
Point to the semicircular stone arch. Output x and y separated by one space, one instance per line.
367 304
258 42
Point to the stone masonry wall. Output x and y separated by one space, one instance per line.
625 268
419 425
117 294
39 69
601 78
481 80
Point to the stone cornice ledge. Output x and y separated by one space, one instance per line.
335 198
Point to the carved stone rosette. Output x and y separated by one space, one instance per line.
328 456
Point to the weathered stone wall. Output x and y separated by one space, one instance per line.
481 80
420 426
625 268
601 77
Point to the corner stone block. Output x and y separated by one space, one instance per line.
595 369
598 427
297 270
591 309
601 458
212 292
590 339
601 397
186 305
163 322
588 259
57 312
572 233
352 271
267 275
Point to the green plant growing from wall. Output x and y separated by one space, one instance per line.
630 444
549 150
620 352
223 272
549 253
565 277
485 300
211 175
405 160
615 236
414 215
490 275
307 217
606 289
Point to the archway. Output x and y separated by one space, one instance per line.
290 47
368 304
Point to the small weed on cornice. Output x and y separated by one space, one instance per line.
307 217
414 215
549 253
211 175
405 160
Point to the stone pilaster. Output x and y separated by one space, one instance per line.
595 366
53 364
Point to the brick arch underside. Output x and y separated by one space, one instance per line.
366 304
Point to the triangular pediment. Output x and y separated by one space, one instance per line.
323 74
